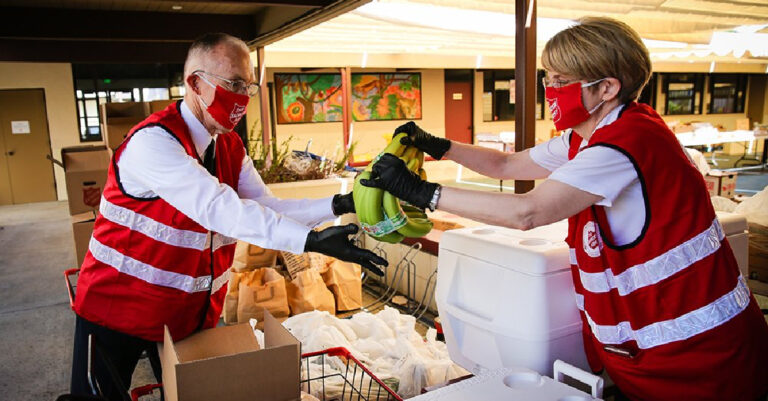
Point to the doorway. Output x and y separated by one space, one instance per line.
458 105
26 175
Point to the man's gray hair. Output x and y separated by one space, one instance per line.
206 43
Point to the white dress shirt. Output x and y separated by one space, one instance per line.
154 163
601 171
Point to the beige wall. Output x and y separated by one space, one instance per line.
56 80
370 135
544 128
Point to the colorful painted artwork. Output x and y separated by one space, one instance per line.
306 98
386 96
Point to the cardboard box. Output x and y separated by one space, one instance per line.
226 363
82 229
85 173
117 119
157 105
721 183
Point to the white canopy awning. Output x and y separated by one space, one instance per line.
481 34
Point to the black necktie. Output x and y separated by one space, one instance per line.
209 158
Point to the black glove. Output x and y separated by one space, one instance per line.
343 204
391 175
426 142
334 241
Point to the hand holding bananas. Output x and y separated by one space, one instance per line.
392 175
427 143
334 241
343 204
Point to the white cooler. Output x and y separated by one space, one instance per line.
506 298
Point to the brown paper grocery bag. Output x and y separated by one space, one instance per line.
249 257
263 288
230 300
307 292
343 279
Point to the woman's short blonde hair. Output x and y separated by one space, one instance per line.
598 47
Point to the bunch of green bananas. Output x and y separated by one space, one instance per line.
381 215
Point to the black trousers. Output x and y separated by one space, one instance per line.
122 350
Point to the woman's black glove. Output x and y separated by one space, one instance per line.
426 142
391 175
334 241
343 204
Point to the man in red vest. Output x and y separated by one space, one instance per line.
180 190
665 311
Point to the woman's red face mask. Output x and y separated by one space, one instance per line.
566 106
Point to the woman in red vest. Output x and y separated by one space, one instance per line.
665 310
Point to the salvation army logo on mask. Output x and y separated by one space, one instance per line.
591 240
237 113
554 109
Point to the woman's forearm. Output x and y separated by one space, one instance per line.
496 164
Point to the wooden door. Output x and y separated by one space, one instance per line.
27 174
458 111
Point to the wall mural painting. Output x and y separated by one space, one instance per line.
317 97
308 98
386 96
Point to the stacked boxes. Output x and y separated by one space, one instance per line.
85 171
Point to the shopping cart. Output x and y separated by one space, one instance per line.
335 374
70 277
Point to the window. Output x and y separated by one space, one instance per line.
648 94
499 95
683 93
727 93
96 84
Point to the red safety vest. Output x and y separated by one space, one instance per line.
148 264
673 300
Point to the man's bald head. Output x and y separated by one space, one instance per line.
211 49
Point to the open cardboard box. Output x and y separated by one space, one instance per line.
85 172
226 363
82 229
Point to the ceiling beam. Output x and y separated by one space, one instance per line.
287 3
92 51
75 24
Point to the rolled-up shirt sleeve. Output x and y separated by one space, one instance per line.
156 162
311 212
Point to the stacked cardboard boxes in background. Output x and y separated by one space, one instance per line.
85 171
721 183
117 119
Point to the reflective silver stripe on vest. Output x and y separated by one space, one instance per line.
681 328
145 272
572 256
658 268
220 240
220 281
153 228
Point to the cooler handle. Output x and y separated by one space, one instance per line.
596 383
466 315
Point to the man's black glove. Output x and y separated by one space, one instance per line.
334 241
343 204
391 175
426 142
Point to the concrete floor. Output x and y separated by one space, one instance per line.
36 323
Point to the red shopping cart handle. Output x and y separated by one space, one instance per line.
343 352
70 289
144 390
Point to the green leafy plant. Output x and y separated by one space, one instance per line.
285 166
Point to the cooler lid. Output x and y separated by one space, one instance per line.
537 251
733 223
